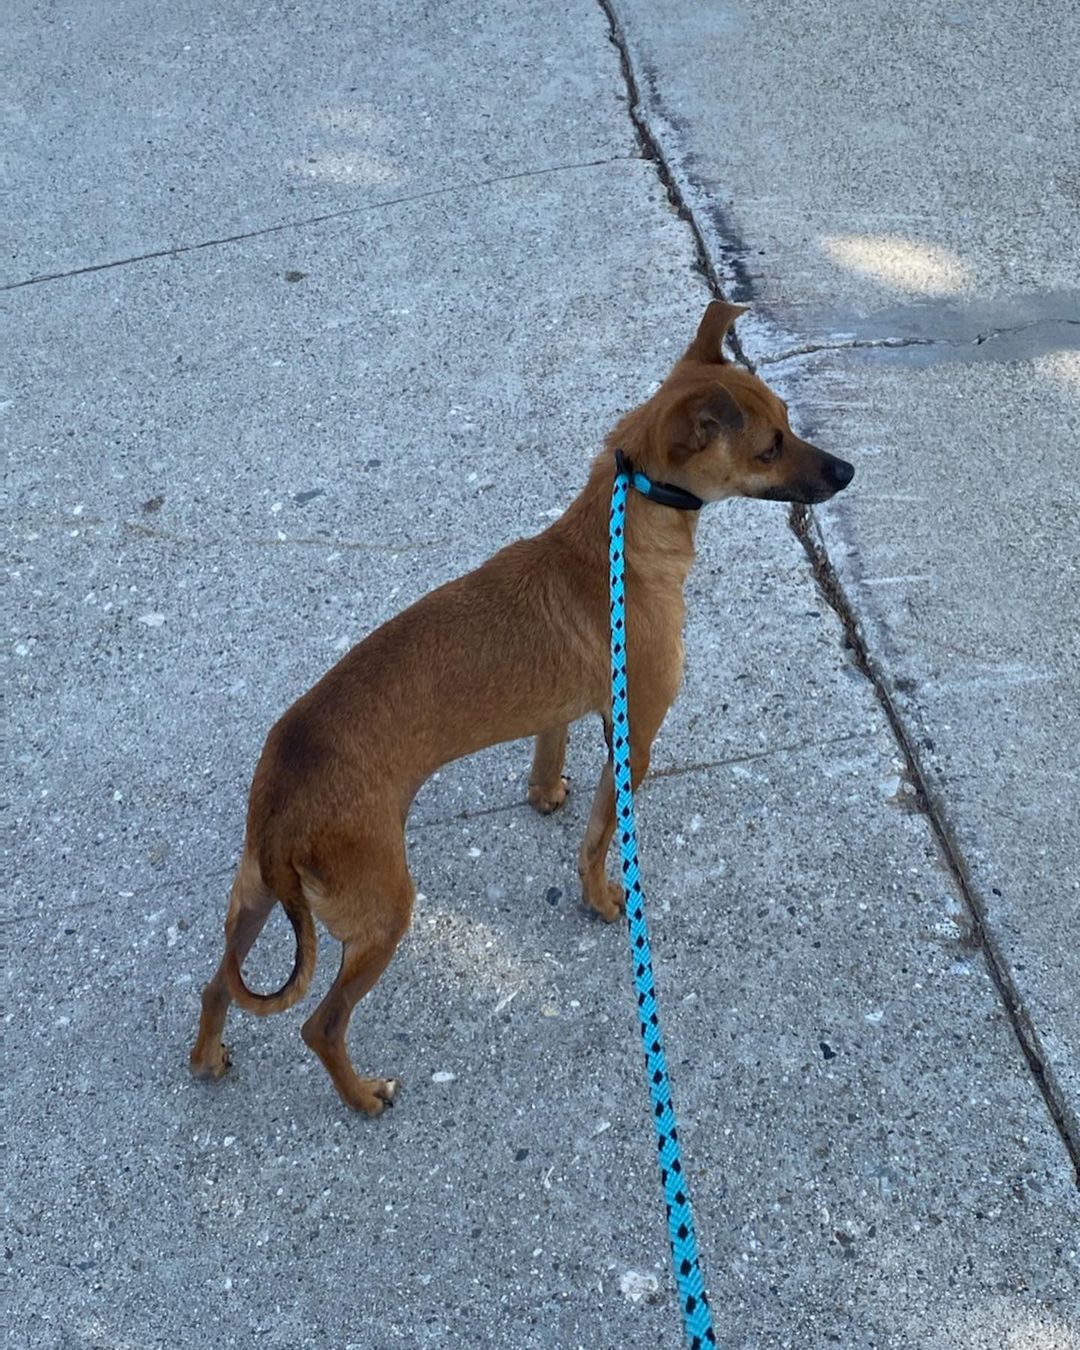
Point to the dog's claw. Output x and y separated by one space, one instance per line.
389 1091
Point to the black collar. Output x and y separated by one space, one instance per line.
666 494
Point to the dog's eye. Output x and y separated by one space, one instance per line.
775 449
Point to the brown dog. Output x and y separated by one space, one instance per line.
517 648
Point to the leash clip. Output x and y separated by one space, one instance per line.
665 494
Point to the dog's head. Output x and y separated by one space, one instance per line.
718 431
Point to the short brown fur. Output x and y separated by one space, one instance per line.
517 648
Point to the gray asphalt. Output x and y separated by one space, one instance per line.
309 309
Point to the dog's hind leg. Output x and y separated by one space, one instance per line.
369 917
548 785
249 908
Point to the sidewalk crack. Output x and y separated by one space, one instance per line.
1021 328
852 344
794 747
802 523
651 149
892 343
179 249
1065 1120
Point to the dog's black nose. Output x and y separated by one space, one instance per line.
838 472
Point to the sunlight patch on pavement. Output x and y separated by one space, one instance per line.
908 265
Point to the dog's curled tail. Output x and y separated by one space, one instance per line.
295 987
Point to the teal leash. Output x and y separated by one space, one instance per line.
697 1317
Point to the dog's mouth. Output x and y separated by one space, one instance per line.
804 494
829 476
821 495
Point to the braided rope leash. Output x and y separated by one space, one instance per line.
697 1317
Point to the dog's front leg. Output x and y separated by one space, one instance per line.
605 896
548 786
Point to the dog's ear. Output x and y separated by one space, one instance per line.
708 344
695 426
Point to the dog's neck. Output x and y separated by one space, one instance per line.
659 539
658 535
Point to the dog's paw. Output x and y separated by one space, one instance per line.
607 899
375 1095
210 1064
547 799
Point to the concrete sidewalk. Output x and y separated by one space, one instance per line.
911 250
340 300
